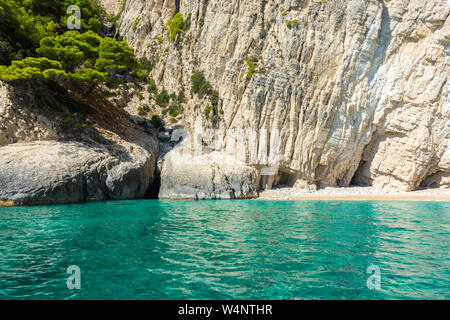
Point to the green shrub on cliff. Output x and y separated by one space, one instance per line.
214 98
251 68
292 23
152 87
203 88
163 98
143 110
136 23
157 122
177 26
200 85
211 109
207 111
181 98
175 110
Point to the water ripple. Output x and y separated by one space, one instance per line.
226 250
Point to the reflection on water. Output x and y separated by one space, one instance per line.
226 249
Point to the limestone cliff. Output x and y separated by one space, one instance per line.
357 90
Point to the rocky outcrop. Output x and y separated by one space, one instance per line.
111 7
64 172
185 175
356 90
17 124
101 159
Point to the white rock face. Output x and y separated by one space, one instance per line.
357 89
185 175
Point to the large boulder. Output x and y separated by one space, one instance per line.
185 176
54 155
43 172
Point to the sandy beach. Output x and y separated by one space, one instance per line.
355 194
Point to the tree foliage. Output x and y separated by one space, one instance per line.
43 68
29 68
90 14
115 55
26 29
71 48
88 74
51 51
29 21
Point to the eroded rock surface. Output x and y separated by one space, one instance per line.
209 176
84 163
62 172
19 124
357 89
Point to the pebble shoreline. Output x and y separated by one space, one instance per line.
355 193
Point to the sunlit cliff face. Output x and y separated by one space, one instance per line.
357 89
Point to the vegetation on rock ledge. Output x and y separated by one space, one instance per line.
42 47
177 25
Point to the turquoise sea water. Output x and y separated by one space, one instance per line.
226 250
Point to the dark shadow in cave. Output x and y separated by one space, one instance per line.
153 189
358 179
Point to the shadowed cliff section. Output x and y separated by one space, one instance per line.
61 148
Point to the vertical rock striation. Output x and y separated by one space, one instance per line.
357 90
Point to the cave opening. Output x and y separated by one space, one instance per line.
358 179
284 179
153 189
434 180
279 179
